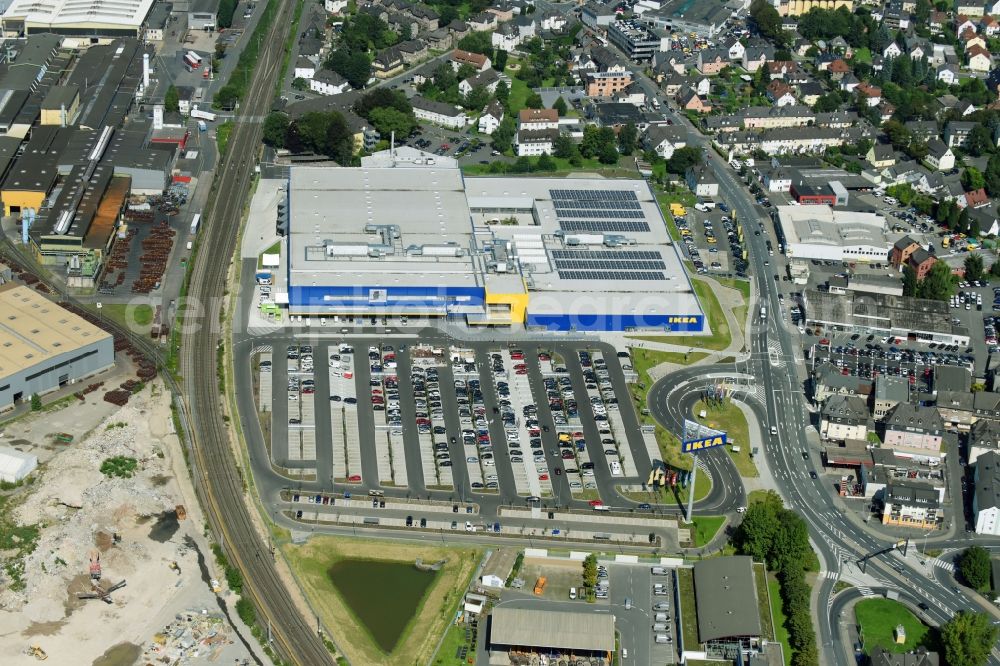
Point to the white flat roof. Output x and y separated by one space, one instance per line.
822 225
73 12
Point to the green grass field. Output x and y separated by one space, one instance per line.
687 611
705 528
878 619
778 610
729 418
138 316
519 92
222 132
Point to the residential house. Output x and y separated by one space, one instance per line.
712 61
538 119
889 392
477 60
488 80
756 57
703 86
440 39
438 113
413 50
892 50
304 68
664 139
553 21
990 26
838 69
969 39
975 199
946 74
536 142
828 381
335 6
964 24
921 261
458 29
881 155
632 94
690 100
607 83
328 82
780 93
939 156
901 250
872 95
778 180
388 63
810 92
844 417
986 493
849 83
984 437
914 430
781 69
425 16
912 504
526 26
956 132
979 59
491 117
506 37
735 49
482 22
701 180
961 410
674 83
924 130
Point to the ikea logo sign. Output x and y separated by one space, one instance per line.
695 445
682 320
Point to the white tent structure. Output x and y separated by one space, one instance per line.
15 465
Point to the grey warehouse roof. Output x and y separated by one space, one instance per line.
568 630
726 597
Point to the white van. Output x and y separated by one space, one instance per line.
572 593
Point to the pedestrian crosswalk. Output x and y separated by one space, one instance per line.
865 591
947 566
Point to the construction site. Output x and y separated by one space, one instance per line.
103 557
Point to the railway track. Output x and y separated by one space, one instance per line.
215 468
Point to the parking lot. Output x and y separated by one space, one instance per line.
712 240
521 421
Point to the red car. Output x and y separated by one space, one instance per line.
543 477
824 342
354 478
596 503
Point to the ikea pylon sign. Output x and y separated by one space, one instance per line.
695 445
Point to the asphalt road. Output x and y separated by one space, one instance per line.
216 473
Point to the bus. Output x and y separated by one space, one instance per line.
195 223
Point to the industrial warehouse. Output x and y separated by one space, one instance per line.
44 347
818 231
420 240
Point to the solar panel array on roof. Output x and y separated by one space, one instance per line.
609 264
596 205
604 225
603 214
594 195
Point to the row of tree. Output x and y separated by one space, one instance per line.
778 536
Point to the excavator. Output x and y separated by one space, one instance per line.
98 592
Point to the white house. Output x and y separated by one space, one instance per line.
986 496
947 75
488 79
489 580
553 22
736 50
327 82
492 115
778 180
702 182
892 51
439 113
536 142
335 6
15 465
704 86
664 139
939 156
506 37
304 69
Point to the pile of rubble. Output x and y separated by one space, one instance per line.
78 507
192 635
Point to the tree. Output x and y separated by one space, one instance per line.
299 83
756 532
338 143
967 639
992 175
36 402
590 571
937 285
275 128
534 101
388 120
172 100
564 147
767 21
608 153
910 284
352 65
683 159
545 163
973 179
995 269
502 93
827 103
560 106
478 42
628 139
922 12
500 60
503 135
225 16
381 98
476 98
293 139
980 140
974 562
227 97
